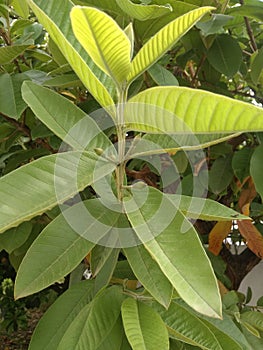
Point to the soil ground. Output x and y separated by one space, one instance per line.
20 340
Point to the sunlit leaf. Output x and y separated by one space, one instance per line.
104 41
38 186
164 40
181 109
58 25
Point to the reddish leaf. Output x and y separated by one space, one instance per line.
247 194
253 237
218 233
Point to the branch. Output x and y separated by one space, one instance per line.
249 31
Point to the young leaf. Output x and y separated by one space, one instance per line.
164 40
59 316
144 328
180 109
169 246
143 12
66 120
149 274
38 186
58 25
95 322
21 7
105 42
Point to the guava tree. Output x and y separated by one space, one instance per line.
131 149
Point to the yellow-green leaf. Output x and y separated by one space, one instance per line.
164 40
176 110
105 42
54 16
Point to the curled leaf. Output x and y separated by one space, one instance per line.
253 237
218 233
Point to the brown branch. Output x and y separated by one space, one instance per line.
238 266
250 33
19 126
200 64
5 37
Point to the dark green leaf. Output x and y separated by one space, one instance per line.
214 25
241 163
225 55
256 169
221 174
162 76
15 237
257 66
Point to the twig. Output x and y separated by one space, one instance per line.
250 33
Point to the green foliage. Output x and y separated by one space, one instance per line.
13 314
119 191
